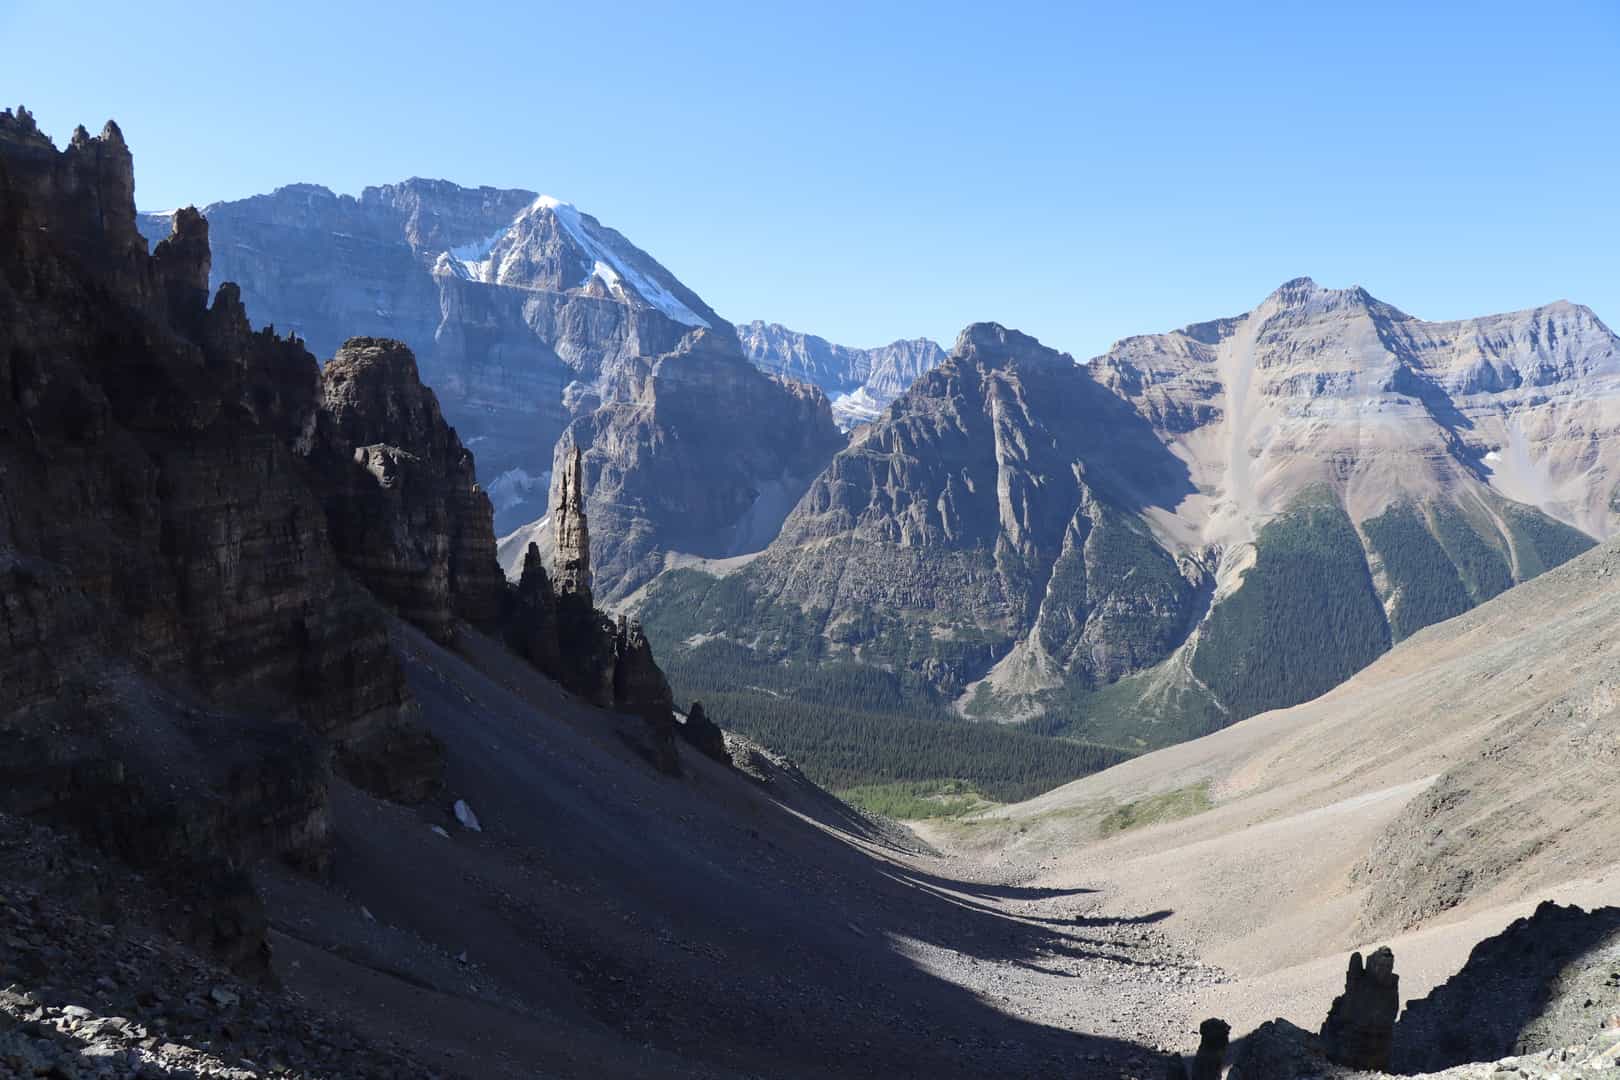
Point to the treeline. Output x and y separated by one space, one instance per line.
843 748
846 724
1306 618
1541 541
1427 584
1440 563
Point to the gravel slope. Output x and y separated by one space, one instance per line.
1424 804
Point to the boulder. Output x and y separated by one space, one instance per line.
705 735
1213 1037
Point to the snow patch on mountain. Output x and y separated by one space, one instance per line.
608 261
860 382
472 261
859 406
483 260
514 487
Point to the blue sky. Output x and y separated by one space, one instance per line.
871 171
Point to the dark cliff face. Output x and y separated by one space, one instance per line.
153 450
187 659
406 513
693 451
197 525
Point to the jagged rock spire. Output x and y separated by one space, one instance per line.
573 537
1360 1027
1214 1036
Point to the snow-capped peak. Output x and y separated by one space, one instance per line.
604 256
606 260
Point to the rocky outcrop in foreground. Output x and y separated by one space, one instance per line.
1210 1061
704 734
573 558
1361 1024
187 660
406 512
1538 985
1540 999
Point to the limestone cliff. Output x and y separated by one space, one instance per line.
992 517
1007 539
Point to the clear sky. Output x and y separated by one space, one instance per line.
877 170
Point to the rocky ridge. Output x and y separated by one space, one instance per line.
991 519
165 549
860 382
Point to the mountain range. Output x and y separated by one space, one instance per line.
1190 529
861 382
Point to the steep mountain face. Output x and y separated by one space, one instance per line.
516 305
406 512
183 643
1004 497
993 518
1459 457
1144 570
1333 386
860 382
693 452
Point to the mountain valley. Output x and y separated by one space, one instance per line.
1128 551
365 560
